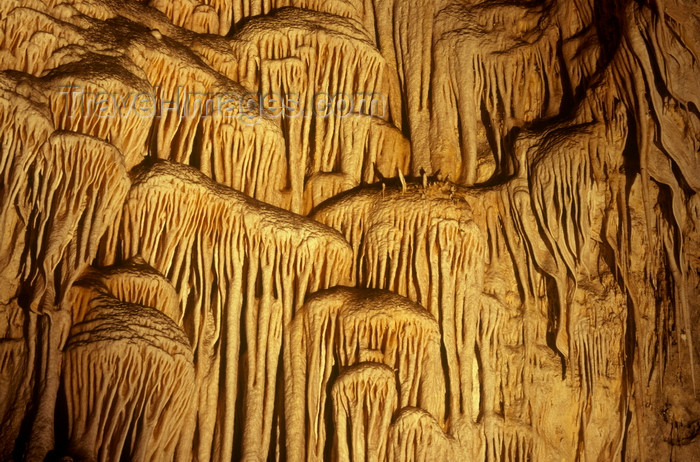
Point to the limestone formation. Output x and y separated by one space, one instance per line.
128 382
241 269
133 281
416 436
423 243
364 400
378 230
320 74
357 326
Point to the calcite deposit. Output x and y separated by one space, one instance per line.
349 230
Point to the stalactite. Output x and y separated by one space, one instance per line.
573 171
551 289
319 81
238 266
78 185
408 42
405 44
101 110
163 93
133 282
421 243
566 170
667 141
128 383
14 390
220 16
504 439
416 436
223 55
364 400
244 152
494 352
68 70
238 145
342 327
367 141
355 9
496 69
212 17
184 86
631 229
26 126
32 40
159 97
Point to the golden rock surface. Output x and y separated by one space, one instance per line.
349 230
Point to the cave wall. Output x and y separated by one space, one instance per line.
381 230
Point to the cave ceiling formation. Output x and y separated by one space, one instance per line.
367 230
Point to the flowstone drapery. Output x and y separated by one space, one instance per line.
378 230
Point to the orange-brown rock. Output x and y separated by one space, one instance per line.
349 230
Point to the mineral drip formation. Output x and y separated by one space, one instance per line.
241 269
360 328
128 381
349 230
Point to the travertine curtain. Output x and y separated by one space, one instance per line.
377 230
